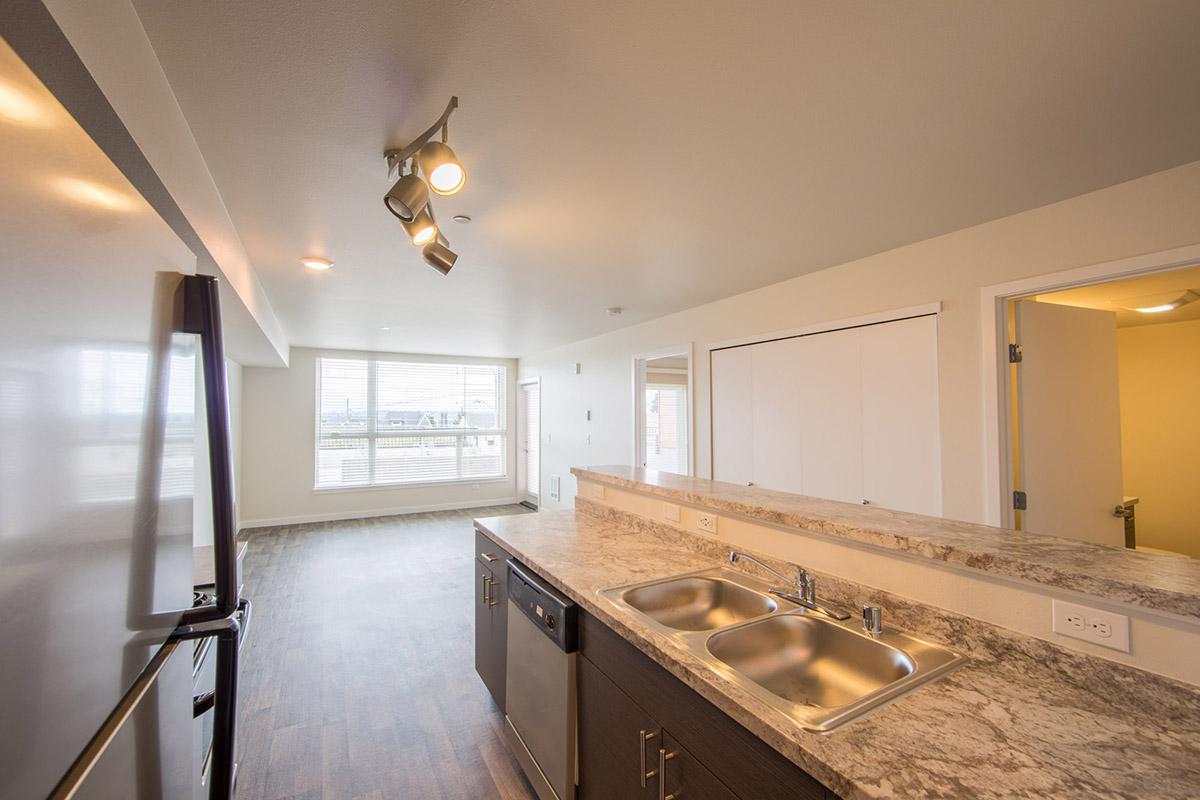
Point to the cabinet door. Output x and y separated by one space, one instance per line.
614 751
498 604
686 777
486 663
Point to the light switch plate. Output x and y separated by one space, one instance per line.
671 512
1091 625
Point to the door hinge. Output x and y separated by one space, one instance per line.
1014 354
1020 501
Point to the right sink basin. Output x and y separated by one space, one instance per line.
810 661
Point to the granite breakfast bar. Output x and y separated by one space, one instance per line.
1023 718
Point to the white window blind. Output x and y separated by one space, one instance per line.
396 422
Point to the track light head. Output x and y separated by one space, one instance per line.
421 228
407 198
442 168
438 255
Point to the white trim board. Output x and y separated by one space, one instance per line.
831 325
997 485
383 512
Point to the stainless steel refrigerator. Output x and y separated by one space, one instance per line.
109 354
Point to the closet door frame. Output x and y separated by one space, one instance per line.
893 315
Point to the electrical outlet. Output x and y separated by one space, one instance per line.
595 491
671 512
1091 625
706 522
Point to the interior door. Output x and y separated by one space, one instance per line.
778 423
901 440
831 436
530 457
1069 421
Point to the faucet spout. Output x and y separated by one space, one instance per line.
802 590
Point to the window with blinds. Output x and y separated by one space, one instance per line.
384 423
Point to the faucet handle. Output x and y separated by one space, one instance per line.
872 617
806 583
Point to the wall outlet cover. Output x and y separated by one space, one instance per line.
706 522
1091 625
671 512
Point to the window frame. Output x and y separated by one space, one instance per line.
371 434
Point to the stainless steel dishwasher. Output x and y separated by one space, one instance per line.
540 702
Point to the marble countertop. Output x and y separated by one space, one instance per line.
1022 719
1151 580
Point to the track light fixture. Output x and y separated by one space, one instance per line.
408 199
438 254
421 229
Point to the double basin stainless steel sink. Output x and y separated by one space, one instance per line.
817 671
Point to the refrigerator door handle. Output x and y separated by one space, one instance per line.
202 316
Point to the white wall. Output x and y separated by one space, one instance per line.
279 451
1153 213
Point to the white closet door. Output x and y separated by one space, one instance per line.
733 414
901 438
777 415
829 389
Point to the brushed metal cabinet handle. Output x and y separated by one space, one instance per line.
492 601
643 737
663 758
486 590
487 557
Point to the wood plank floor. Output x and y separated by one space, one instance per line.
358 677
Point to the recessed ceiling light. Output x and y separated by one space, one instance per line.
318 264
1158 303
385 328
615 311
463 218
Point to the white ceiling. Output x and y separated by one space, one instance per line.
651 155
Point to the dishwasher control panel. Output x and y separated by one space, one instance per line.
553 613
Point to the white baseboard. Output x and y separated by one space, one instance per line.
382 512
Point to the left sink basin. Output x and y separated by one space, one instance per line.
697 602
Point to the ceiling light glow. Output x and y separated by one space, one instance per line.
1157 309
18 107
317 264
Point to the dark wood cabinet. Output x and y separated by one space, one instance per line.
706 754
491 615
684 776
618 741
